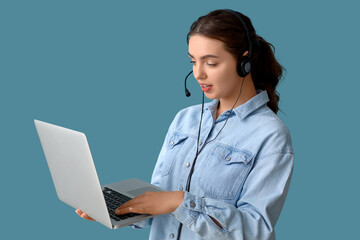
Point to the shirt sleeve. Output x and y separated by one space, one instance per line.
256 210
142 224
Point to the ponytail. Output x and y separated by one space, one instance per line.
266 72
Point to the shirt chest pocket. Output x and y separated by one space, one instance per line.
224 171
173 152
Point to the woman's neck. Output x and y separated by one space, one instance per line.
248 91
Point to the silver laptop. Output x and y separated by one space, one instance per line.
76 181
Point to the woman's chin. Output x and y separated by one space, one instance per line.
210 96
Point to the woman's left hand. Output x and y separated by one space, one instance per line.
153 203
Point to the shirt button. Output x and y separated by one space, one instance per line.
192 204
228 113
200 143
228 158
181 188
187 164
172 143
172 235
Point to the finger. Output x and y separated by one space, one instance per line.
84 215
127 204
127 207
135 201
133 209
79 212
139 209
124 210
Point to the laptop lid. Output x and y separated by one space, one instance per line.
72 170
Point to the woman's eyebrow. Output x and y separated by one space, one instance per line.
205 56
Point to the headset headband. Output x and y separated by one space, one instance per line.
246 30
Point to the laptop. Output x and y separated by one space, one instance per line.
76 181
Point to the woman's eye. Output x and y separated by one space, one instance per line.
211 64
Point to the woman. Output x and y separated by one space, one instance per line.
227 165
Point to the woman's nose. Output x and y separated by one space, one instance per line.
199 72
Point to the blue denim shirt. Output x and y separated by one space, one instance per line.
240 179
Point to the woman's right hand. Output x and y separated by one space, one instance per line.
83 215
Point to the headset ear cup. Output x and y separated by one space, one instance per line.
246 65
243 66
239 68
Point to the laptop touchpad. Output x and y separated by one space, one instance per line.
142 190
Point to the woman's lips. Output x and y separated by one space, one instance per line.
206 88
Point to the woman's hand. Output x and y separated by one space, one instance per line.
83 215
153 203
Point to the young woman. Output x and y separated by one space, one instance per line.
227 164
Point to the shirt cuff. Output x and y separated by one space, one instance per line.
142 224
189 209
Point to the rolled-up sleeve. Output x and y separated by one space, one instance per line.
257 209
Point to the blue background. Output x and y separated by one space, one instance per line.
115 70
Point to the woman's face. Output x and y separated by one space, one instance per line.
213 65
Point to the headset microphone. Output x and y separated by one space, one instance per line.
187 93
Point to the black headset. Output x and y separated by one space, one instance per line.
243 65
244 62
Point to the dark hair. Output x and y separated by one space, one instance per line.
226 27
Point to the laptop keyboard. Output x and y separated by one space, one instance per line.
113 200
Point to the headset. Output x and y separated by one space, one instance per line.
243 65
243 68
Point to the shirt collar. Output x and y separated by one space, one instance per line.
245 109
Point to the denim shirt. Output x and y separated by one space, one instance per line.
241 179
